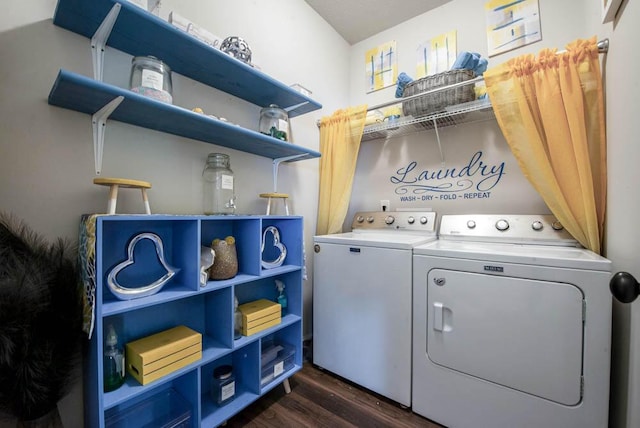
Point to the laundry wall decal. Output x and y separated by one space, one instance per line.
473 180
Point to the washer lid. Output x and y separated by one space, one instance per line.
541 255
361 238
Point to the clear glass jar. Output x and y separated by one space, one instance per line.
218 194
274 121
223 385
152 78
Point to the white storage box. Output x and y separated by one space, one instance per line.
282 363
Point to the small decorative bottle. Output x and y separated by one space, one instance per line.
113 362
219 197
237 320
282 298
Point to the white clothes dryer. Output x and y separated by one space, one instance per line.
362 282
511 326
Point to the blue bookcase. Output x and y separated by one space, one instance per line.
182 301
206 309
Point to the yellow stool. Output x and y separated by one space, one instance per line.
271 196
115 183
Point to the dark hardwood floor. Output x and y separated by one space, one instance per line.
321 399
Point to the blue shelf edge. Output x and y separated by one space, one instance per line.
83 94
138 32
212 415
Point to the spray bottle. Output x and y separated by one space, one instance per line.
282 298
113 362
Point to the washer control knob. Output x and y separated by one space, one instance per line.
360 219
537 225
411 220
556 225
502 225
389 219
370 219
423 220
471 224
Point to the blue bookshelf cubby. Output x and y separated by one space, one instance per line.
206 309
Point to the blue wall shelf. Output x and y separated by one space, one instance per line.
138 32
80 93
131 29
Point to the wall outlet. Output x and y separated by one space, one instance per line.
384 205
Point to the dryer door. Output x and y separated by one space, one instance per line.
520 333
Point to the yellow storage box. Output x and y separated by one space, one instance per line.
259 315
155 356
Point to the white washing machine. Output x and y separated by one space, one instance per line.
512 326
362 300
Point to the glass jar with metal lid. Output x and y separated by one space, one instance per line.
223 385
152 78
274 121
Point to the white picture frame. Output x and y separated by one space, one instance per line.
511 24
609 9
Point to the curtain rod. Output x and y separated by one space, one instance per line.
603 48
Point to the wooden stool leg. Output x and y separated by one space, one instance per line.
287 386
113 199
286 206
145 199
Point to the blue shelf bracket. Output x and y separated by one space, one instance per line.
99 40
99 123
276 164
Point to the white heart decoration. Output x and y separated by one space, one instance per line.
277 244
207 257
126 293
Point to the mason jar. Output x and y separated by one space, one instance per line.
152 78
219 197
223 385
274 121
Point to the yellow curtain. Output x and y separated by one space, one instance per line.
340 136
551 112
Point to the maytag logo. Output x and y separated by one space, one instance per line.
494 268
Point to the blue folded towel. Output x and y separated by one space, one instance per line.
470 61
481 67
465 60
403 79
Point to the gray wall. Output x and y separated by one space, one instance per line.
46 152
379 160
562 22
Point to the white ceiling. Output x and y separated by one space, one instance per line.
356 20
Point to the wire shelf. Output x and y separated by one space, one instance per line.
473 111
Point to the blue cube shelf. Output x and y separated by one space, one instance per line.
206 309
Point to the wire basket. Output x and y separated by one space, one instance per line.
438 101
